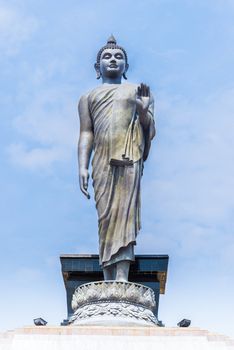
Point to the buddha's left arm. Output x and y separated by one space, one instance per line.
149 129
150 123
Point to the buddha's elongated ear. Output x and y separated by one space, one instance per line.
124 74
97 68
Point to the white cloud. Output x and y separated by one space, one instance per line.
36 158
51 122
49 118
15 28
189 184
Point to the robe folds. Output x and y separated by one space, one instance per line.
120 146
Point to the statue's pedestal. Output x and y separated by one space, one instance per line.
147 270
113 303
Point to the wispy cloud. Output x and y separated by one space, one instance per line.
50 122
16 27
189 184
35 158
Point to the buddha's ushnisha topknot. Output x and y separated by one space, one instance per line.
111 40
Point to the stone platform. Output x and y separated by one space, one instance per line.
114 338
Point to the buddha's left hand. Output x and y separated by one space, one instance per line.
143 102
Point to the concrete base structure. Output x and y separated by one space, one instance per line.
79 269
114 338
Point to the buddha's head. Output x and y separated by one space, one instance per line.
112 60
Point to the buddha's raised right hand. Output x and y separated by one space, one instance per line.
84 182
142 103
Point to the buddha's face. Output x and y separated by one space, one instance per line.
112 63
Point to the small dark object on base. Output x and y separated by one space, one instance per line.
184 323
39 322
65 322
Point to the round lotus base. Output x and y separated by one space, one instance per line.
113 303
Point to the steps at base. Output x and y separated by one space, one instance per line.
112 338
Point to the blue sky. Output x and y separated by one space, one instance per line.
184 50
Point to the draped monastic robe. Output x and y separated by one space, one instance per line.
120 146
